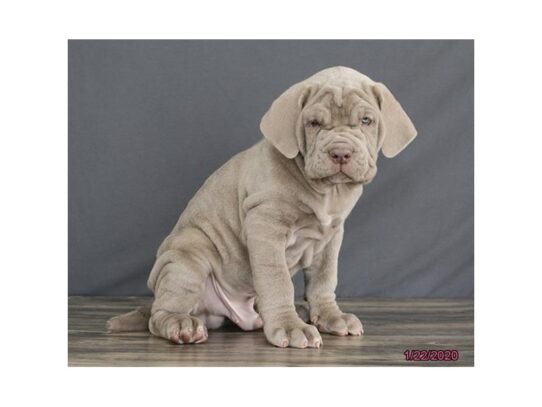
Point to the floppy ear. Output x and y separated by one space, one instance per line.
398 130
279 123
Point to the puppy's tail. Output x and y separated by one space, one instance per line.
133 321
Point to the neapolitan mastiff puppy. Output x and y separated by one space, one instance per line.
272 210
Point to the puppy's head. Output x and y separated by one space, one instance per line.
338 120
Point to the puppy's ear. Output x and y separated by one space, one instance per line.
279 123
398 130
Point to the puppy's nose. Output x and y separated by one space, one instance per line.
340 155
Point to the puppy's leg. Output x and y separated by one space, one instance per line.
302 312
266 231
320 284
178 282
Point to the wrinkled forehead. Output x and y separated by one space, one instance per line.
340 102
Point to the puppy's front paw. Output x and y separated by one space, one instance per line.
340 324
292 332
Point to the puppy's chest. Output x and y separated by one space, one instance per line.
307 239
320 221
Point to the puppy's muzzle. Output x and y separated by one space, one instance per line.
340 154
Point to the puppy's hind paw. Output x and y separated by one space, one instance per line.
181 328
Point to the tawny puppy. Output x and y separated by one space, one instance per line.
272 210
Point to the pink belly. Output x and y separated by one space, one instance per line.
240 310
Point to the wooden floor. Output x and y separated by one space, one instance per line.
391 327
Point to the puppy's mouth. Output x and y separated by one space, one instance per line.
322 168
339 178
342 176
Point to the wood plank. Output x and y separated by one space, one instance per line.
391 327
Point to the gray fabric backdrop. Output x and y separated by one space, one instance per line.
149 121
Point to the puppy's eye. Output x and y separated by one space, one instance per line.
314 123
366 120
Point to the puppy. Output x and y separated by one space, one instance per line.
272 210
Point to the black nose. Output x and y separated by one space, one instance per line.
340 155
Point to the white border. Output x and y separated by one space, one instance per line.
34 202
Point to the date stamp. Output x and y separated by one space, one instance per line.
431 355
